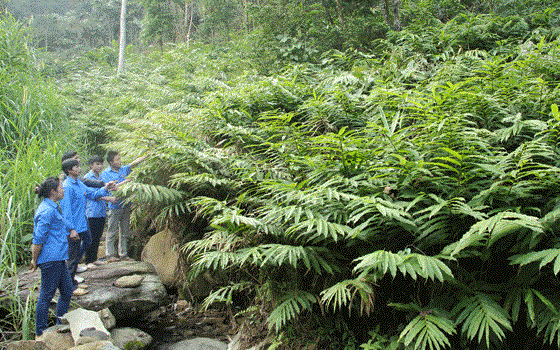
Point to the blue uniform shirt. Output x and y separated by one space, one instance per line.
109 175
74 202
51 230
95 208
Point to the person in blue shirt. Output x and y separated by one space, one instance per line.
74 210
88 182
96 211
49 251
118 226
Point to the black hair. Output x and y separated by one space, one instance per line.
68 155
111 155
44 190
68 164
95 159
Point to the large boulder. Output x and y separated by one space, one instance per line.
124 303
26 345
86 326
57 337
162 254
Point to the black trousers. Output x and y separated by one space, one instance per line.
76 250
96 226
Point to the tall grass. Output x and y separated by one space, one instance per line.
28 104
34 160
31 141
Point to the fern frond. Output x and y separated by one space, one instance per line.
198 181
280 254
544 256
492 229
178 209
225 294
368 209
406 263
150 194
234 217
292 305
214 260
317 228
344 292
428 330
482 317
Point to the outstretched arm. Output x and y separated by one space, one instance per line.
109 199
137 161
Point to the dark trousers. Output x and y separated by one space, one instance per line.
96 226
54 275
76 250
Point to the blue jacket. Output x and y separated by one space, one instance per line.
74 202
95 208
109 175
51 231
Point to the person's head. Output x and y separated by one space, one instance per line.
71 167
114 159
70 155
50 188
96 163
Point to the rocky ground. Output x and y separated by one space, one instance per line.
141 295
137 298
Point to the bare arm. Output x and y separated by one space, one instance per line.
35 251
109 199
137 161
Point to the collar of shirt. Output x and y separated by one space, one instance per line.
51 203
72 180
91 175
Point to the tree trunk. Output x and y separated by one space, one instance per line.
396 15
339 14
189 17
122 41
386 13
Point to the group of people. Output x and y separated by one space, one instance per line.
69 223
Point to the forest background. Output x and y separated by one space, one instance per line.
353 174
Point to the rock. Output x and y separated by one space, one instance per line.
97 345
161 254
27 345
235 343
129 281
107 318
182 305
124 303
130 338
57 337
85 323
199 344
90 335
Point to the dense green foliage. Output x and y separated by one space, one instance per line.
400 198
31 113
348 185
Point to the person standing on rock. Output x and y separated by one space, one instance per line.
49 252
118 226
74 210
